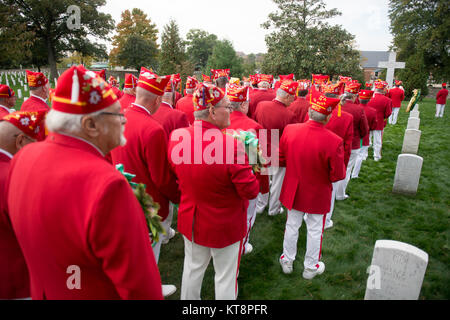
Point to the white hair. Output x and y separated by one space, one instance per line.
190 91
264 84
317 116
203 114
282 94
61 122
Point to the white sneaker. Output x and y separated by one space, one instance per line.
277 213
287 266
169 236
329 224
168 289
346 196
248 248
311 273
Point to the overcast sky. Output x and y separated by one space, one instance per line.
240 20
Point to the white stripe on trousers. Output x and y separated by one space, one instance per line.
226 267
314 226
251 216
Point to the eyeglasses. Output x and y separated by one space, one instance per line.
121 115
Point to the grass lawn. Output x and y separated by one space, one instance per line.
372 212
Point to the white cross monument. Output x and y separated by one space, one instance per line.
391 65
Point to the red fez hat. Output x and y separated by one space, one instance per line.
237 94
303 84
287 77
289 86
332 88
81 91
321 103
5 91
398 82
444 84
112 81
320 79
345 79
206 95
206 78
191 83
380 84
264 77
130 81
365 94
352 87
152 82
101 73
36 79
217 73
29 122
368 85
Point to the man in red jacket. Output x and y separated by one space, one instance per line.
300 107
397 95
441 100
239 121
145 153
185 104
6 100
216 182
360 129
314 159
16 131
129 92
99 248
274 116
262 93
383 106
39 92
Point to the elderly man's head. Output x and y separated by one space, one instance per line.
211 105
42 91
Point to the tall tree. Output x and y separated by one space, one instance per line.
199 47
134 23
172 53
60 28
421 31
224 57
137 52
302 42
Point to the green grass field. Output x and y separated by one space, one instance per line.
371 213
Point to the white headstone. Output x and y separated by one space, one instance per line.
407 174
391 65
25 88
19 93
414 114
400 267
413 123
411 141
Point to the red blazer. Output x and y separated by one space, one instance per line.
170 119
125 101
256 96
178 96
117 91
300 109
441 97
360 125
145 155
14 278
383 106
83 213
371 115
214 197
397 95
34 104
343 127
239 121
273 115
314 158
4 111
186 105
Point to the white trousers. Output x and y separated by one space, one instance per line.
394 116
377 144
226 267
166 225
314 227
362 156
440 110
333 199
342 184
275 189
251 216
261 202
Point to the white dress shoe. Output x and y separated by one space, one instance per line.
168 289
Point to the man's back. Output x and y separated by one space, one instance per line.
170 118
343 127
82 217
125 101
383 106
34 104
186 105
360 125
441 97
397 95
300 109
256 96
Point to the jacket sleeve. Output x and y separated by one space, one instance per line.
336 163
388 110
348 142
364 124
118 236
241 175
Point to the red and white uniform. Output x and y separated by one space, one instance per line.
397 95
14 278
34 103
102 233
441 101
383 106
186 105
314 159
213 208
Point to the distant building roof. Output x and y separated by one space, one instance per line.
370 59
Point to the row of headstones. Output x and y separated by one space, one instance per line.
398 269
409 164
